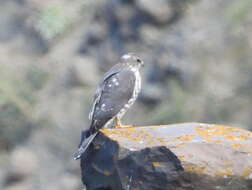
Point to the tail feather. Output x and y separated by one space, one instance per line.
84 145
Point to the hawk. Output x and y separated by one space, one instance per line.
115 94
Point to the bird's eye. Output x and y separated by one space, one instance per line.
138 60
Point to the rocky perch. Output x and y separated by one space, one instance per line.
191 156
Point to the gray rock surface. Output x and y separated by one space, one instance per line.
190 156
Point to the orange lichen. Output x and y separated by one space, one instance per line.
113 132
201 169
150 142
236 146
229 133
178 145
190 155
162 140
228 164
203 132
249 151
246 172
185 137
105 172
141 136
245 136
214 141
123 126
158 164
209 133
127 133
195 169
181 157
230 137
97 147
225 172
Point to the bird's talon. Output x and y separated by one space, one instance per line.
118 126
122 126
118 123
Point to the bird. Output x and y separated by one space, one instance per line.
115 94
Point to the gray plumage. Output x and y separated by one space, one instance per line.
114 96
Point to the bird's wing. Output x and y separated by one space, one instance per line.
95 100
116 91
114 70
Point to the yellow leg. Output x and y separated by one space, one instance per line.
118 124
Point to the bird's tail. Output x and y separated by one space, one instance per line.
84 145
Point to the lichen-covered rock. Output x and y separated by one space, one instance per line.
180 156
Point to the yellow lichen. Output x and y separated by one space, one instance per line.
214 141
228 133
209 133
250 151
105 172
158 164
97 147
123 126
246 172
194 169
245 136
185 137
123 132
225 172
228 164
181 157
162 140
178 145
236 146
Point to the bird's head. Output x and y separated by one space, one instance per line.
130 59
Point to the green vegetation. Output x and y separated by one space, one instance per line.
239 10
173 109
17 100
53 21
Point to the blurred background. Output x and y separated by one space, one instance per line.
198 67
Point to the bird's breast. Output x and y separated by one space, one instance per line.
137 88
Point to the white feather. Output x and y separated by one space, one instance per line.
126 56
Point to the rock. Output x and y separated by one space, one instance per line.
93 37
17 32
23 164
14 131
12 20
82 72
23 185
181 156
160 11
66 181
152 94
